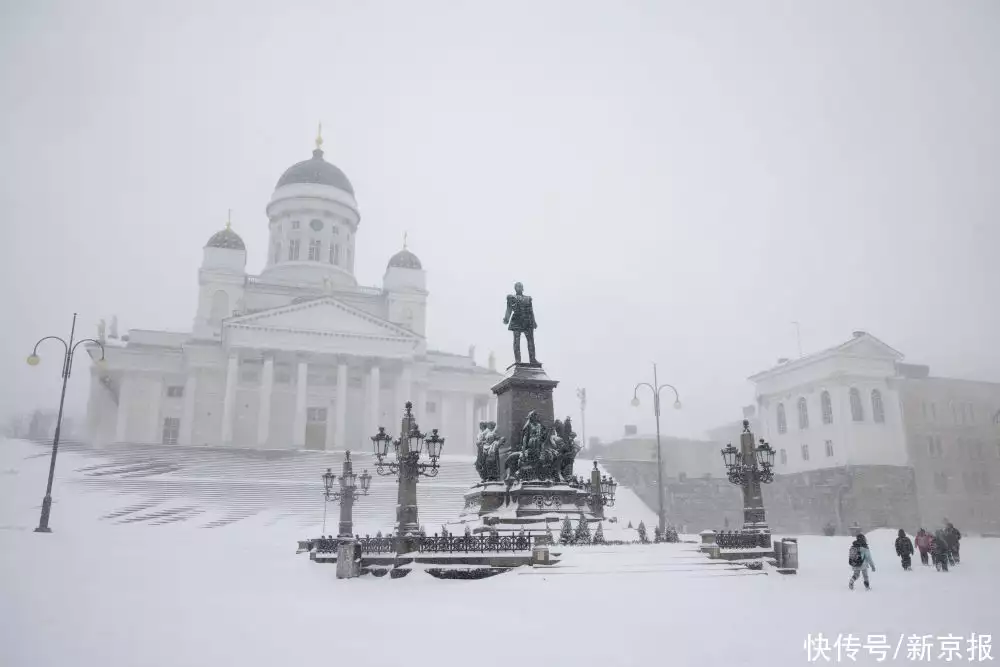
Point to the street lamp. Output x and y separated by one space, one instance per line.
408 468
750 466
346 494
33 360
655 389
601 489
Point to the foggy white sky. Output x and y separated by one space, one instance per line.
672 181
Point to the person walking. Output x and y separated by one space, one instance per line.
953 536
924 541
859 557
940 551
904 549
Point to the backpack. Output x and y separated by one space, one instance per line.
854 558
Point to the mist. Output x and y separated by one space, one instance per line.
673 183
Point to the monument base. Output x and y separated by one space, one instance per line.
531 507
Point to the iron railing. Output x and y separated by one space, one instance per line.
470 543
740 540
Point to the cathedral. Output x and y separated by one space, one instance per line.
298 357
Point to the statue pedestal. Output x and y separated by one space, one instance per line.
523 388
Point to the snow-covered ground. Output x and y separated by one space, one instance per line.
107 594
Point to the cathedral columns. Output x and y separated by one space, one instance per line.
154 427
264 403
301 387
469 422
420 405
374 390
404 392
340 412
187 415
229 399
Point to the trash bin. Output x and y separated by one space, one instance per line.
790 553
540 555
779 553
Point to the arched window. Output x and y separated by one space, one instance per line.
826 407
857 410
782 424
803 413
878 410
220 306
293 250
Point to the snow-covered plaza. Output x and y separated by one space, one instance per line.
100 592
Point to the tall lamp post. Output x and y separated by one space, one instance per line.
749 466
407 449
33 360
655 389
347 494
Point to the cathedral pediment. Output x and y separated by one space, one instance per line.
325 316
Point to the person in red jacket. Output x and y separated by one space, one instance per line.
924 542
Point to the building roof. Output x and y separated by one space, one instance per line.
847 347
316 170
226 238
404 259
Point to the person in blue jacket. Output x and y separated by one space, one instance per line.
860 559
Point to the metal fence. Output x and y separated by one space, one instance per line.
430 544
480 543
740 540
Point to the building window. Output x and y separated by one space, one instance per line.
783 456
315 415
934 412
249 374
282 376
432 407
314 250
803 413
171 429
295 224
317 225
934 447
175 392
805 452
878 410
826 407
923 409
335 253
829 448
857 410
941 482
782 424
335 230
293 250
277 252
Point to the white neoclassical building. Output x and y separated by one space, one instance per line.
300 356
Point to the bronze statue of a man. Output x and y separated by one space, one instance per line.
520 318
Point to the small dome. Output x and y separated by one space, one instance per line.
316 170
227 238
404 259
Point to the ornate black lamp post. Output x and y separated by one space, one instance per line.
601 489
655 389
70 350
407 449
347 494
750 466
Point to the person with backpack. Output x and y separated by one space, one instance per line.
940 551
859 557
924 542
953 536
904 549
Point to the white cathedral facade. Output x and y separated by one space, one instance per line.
300 356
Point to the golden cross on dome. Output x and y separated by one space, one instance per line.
229 218
319 136
404 240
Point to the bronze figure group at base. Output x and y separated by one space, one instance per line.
540 454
